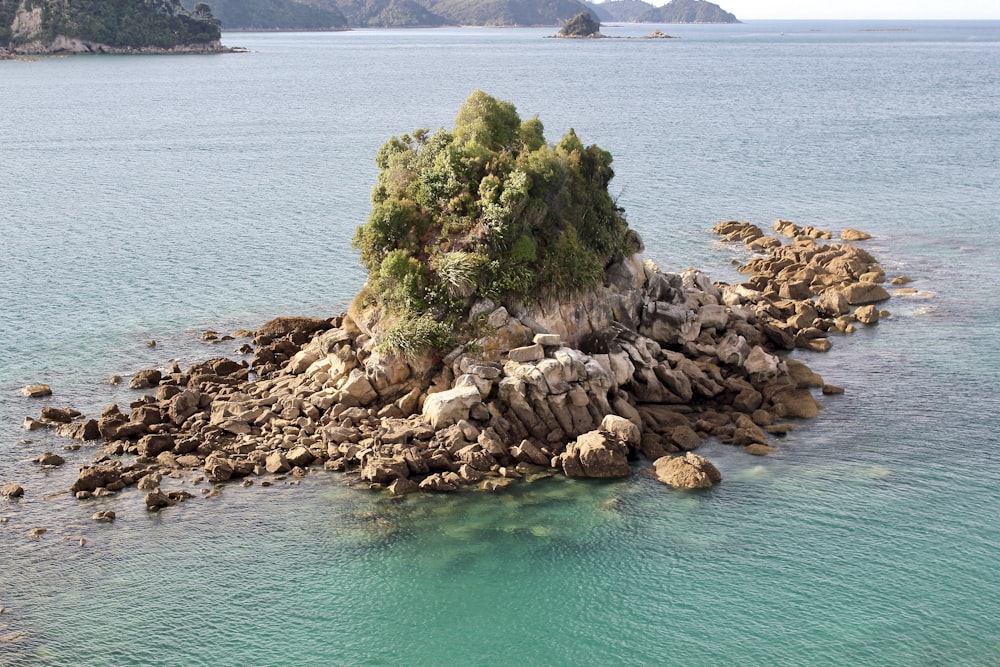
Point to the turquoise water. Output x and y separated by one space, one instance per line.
154 198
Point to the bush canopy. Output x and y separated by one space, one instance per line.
488 209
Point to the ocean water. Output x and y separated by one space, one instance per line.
153 198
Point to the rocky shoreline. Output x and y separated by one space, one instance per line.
62 46
648 366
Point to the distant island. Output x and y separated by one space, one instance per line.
107 26
583 25
345 14
280 15
676 11
184 26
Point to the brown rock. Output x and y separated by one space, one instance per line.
218 469
146 415
862 293
145 379
188 461
867 314
796 403
32 424
832 303
50 459
747 432
151 446
106 516
757 449
596 454
437 482
150 481
469 474
653 446
84 431
802 375
402 486
12 490
832 389
796 290
183 405
96 476
36 390
528 452
156 500
276 463
384 469
685 437
282 326
624 429
299 457
496 483
686 472
58 415
849 234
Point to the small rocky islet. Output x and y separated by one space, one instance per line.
647 365
510 327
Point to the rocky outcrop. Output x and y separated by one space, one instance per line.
686 472
804 290
36 390
648 365
12 491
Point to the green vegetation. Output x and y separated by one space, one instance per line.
118 23
8 8
675 11
581 25
488 209
688 11
628 11
279 15
507 12
389 14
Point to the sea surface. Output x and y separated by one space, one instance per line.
153 198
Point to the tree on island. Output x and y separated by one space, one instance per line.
581 25
488 209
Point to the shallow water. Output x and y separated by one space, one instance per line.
154 198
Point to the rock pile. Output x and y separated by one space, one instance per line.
650 364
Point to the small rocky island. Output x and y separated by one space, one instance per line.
509 328
106 26
583 25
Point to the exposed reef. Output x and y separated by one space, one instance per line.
509 327
647 365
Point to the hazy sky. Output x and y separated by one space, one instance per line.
860 9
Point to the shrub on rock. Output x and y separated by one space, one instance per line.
488 209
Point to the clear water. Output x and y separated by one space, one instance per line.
154 197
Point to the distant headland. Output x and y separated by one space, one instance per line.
106 26
346 14
29 27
